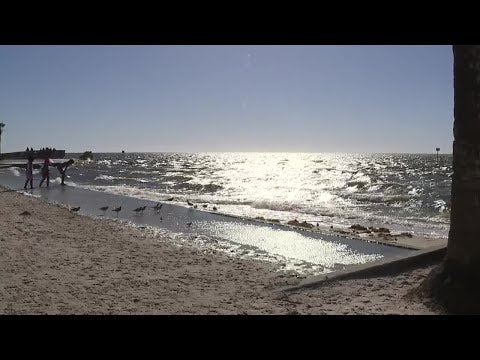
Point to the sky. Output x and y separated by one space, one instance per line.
354 99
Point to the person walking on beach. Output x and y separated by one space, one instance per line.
63 167
29 172
46 172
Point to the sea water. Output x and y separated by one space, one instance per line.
405 192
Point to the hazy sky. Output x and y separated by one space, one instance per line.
227 98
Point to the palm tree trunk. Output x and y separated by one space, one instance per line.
456 283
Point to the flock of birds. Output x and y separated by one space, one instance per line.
141 209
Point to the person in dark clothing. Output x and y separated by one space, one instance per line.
29 172
46 172
62 167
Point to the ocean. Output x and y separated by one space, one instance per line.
404 192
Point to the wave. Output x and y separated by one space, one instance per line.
358 184
343 186
415 192
381 198
274 205
211 188
187 186
104 162
15 171
441 206
106 177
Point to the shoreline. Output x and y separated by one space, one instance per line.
405 240
425 233
54 261
366 234
314 252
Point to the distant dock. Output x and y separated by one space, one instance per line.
18 159
42 154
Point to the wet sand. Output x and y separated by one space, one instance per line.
54 261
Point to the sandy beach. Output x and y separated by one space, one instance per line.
54 261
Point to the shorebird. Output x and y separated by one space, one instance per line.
189 223
214 208
117 210
170 199
75 209
157 207
104 208
161 219
140 209
205 205
189 203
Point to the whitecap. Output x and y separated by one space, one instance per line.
15 171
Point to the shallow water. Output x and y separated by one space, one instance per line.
405 192
302 251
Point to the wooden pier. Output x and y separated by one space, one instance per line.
37 154
19 158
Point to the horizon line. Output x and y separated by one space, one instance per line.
256 151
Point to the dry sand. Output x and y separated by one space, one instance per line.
54 261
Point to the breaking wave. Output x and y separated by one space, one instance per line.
15 171
408 191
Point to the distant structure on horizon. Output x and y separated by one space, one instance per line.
437 149
37 154
2 125
87 155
